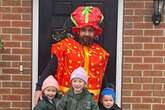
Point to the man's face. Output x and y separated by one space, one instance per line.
87 35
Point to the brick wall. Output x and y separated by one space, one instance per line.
16 33
143 58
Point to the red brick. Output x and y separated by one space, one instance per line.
159 66
4 64
21 9
11 57
159 39
126 93
159 53
158 106
127 52
141 106
21 91
152 73
22 37
25 64
152 87
5 91
26 17
21 104
5 9
21 24
153 60
5 23
153 46
142 93
5 51
128 12
153 32
5 77
142 66
132 87
133 32
132 73
27 3
133 46
26 97
143 12
27 44
10 71
131 99
11 16
21 78
128 25
11 30
159 93
131 19
26 85
133 60
151 100
142 53
27 31
142 39
127 66
11 84
128 39
4 104
126 106
159 80
134 5
21 51
11 97
127 79
11 3
11 44
142 80
27 58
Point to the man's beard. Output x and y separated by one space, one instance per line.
86 40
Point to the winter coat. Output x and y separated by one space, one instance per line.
114 107
82 101
46 104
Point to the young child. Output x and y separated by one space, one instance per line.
78 97
50 95
108 100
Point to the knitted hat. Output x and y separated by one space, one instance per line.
79 73
50 81
87 16
108 91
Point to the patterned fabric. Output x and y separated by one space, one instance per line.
72 55
87 16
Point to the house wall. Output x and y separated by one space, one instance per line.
143 86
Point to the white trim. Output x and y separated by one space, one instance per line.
119 49
35 47
119 52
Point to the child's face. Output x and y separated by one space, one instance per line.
107 101
50 92
77 85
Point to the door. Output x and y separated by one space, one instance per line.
53 14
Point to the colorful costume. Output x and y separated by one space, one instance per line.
71 54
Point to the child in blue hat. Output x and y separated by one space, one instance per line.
108 100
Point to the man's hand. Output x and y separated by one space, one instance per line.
37 96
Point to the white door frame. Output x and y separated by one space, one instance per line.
35 34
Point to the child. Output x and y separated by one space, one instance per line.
78 97
108 100
50 95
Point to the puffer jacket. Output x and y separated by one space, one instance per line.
82 101
46 104
114 107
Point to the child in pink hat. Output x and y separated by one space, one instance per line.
50 95
78 97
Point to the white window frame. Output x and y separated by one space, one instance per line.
35 49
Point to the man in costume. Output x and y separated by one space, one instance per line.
69 54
